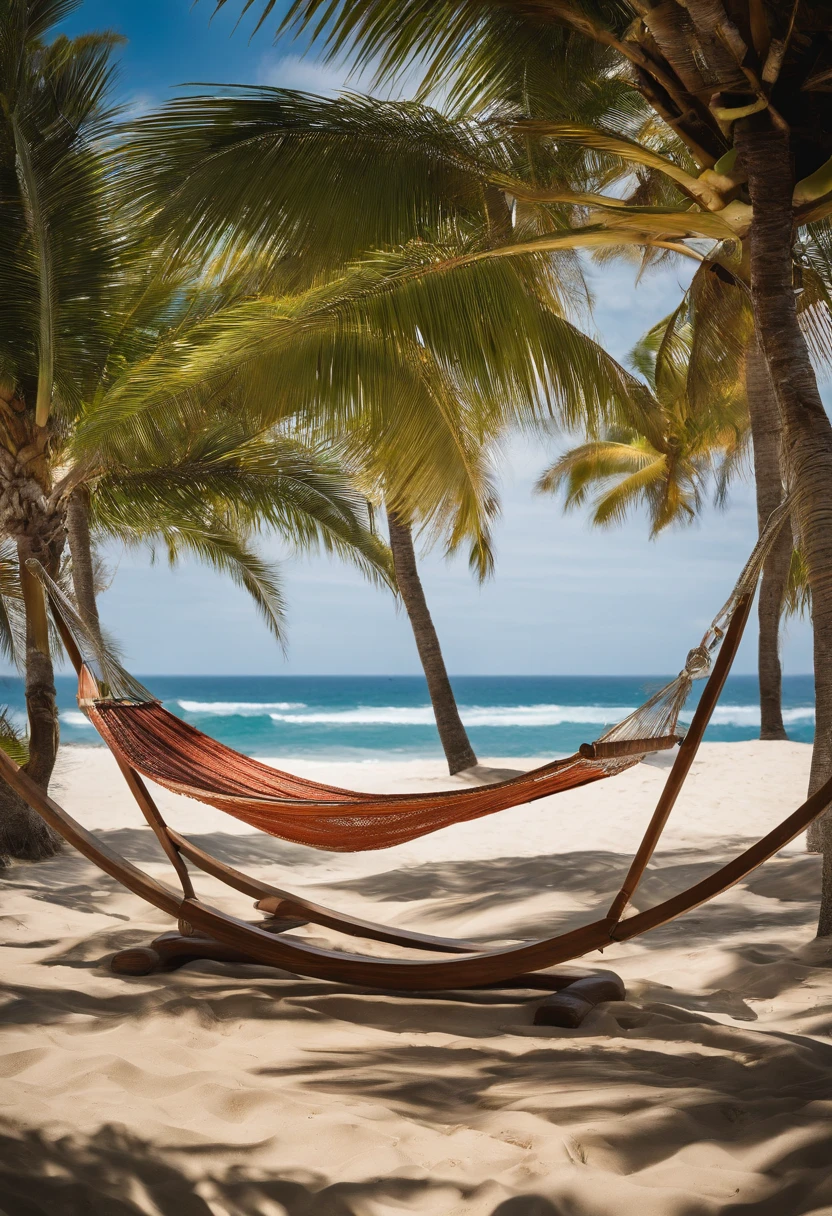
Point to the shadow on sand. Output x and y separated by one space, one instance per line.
116 1174
613 1088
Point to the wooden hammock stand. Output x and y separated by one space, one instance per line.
206 932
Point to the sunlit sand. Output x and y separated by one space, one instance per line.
708 1087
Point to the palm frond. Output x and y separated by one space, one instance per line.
186 480
482 313
287 174
12 622
798 598
12 741
60 248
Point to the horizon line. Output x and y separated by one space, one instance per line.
631 675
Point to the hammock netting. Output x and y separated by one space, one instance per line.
160 746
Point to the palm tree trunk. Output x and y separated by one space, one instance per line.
83 567
825 920
41 698
457 747
23 834
807 433
766 434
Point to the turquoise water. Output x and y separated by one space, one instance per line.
356 717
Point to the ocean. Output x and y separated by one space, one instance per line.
365 717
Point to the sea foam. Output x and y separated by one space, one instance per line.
520 715
244 709
472 715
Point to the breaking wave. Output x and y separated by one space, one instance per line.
519 715
243 709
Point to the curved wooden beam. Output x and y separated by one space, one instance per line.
470 970
474 970
410 975
317 914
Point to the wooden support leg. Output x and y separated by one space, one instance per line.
570 1006
172 950
277 908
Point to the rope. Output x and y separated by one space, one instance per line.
659 716
114 681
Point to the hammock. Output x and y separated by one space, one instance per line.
173 754
148 741
151 741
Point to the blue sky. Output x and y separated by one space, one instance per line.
565 599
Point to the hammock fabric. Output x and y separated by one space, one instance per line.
162 747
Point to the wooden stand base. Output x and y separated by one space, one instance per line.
567 1006
570 1006
172 950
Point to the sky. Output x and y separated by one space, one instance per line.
565 599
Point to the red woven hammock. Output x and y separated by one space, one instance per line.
162 747
145 738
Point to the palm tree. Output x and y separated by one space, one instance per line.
58 255
201 491
670 453
719 353
431 178
84 302
454 738
425 166
767 440
723 348
744 92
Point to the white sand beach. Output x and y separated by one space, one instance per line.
223 1090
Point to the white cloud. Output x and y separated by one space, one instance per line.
310 76
136 105
328 79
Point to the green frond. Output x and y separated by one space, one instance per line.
310 183
60 245
596 466
814 310
223 480
798 598
721 327
12 741
12 622
482 313
476 55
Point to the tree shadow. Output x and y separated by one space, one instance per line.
530 1205
114 1173
441 890
642 1082
631 1112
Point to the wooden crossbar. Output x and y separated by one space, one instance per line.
627 747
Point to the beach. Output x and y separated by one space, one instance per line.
235 1090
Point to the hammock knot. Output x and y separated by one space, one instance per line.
698 662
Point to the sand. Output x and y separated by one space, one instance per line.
226 1090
